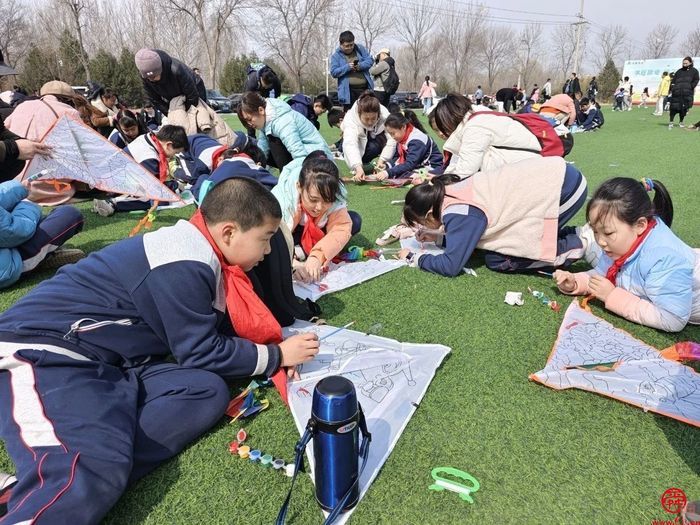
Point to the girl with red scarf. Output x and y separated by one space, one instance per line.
646 274
314 206
414 148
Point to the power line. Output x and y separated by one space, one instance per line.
538 13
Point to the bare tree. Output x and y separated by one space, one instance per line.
610 44
288 30
414 29
497 49
529 47
659 41
564 44
460 37
212 19
374 18
14 38
691 44
77 9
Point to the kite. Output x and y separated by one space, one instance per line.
344 275
390 378
591 354
81 154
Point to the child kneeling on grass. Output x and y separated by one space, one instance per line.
645 274
314 206
414 148
115 364
521 228
154 152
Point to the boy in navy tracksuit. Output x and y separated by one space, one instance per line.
88 402
311 108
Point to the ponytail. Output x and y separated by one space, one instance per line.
401 119
628 201
427 198
663 205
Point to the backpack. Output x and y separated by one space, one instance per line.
391 84
552 144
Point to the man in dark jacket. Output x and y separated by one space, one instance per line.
165 78
572 86
14 150
264 80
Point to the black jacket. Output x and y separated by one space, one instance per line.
176 79
574 86
252 83
504 94
684 83
8 145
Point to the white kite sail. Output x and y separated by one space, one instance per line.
390 378
591 354
344 275
81 154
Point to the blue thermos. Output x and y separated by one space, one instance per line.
335 426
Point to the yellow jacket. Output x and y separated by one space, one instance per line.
664 86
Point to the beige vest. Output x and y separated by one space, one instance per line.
521 203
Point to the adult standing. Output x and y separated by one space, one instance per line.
572 86
199 83
262 79
350 64
380 73
165 78
427 94
592 89
662 94
683 90
547 90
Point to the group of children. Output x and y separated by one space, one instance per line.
90 400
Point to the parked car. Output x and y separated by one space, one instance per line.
406 99
235 99
218 102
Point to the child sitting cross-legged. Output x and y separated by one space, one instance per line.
129 366
645 274
414 148
314 207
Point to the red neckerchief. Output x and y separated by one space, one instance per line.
250 317
615 268
163 171
311 234
402 143
216 157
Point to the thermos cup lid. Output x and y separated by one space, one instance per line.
334 399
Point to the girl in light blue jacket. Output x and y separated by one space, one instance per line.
286 134
26 238
645 274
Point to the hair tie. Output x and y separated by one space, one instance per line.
648 184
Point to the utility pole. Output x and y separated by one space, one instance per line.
579 25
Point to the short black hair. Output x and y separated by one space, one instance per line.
175 134
335 116
346 36
324 101
241 200
584 101
268 76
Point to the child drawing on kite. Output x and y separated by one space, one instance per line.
645 274
314 207
521 229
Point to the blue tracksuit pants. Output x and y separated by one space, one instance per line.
79 431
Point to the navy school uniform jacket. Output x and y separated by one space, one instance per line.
421 152
238 166
117 139
305 105
141 299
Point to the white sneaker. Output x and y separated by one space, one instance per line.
670 126
591 249
681 125
102 207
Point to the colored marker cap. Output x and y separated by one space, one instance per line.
243 451
278 464
241 436
255 455
266 460
233 447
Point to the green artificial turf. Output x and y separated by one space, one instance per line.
542 456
